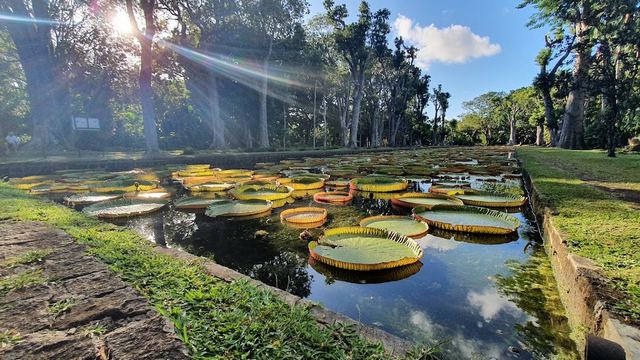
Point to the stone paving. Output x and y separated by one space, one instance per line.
58 302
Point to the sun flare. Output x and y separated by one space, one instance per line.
120 23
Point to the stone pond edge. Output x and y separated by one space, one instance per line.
577 277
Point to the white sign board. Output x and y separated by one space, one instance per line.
83 123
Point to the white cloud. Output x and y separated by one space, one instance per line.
490 303
423 322
438 243
452 44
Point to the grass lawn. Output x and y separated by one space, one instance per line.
213 318
595 199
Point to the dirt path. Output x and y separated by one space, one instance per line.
57 302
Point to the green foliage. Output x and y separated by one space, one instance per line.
9 337
30 257
21 280
60 307
93 330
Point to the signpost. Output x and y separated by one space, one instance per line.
84 123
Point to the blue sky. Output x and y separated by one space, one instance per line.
470 47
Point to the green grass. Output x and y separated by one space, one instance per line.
60 307
93 330
213 318
30 257
8 338
598 225
21 280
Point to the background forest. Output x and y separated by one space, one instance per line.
264 74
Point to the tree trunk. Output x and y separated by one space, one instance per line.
264 89
512 131
443 128
217 125
343 108
324 122
146 70
263 131
284 125
572 133
375 128
146 96
248 136
540 134
48 104
434 134
357 102
549 116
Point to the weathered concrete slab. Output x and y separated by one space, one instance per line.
58 319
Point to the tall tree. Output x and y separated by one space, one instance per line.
145 38
616 62
559 47
354 42
277 27
443 99
517 106
201 25
31 31
579 16
436 98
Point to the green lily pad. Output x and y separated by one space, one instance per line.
83 199
478 198
399 224
225 207
468 219
192 203
364 249
124 208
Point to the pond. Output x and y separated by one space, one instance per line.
477 296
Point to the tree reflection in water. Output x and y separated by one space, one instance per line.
286 271
532 287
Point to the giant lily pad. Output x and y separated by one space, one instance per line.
261 192
304 215
210 187
447 190
428 200
364 249
489 199
90 198
339 197
231 208
123 185
124 208
306 183
152 194
379 184
468 219
400 224
192 203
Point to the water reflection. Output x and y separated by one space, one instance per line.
286 271
333 274
531 287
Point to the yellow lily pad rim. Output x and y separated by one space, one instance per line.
478 229
309 215
358 230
